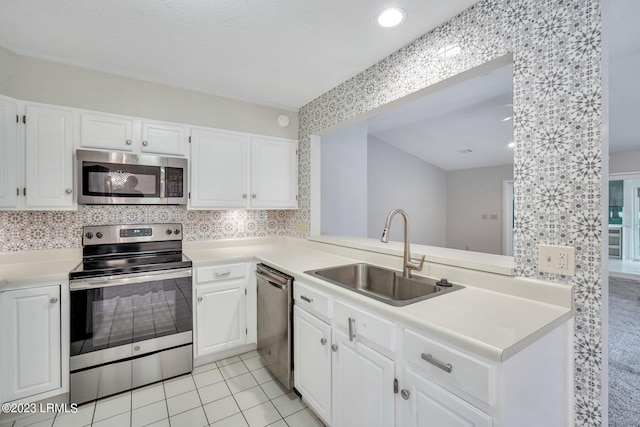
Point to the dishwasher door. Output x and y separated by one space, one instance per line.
274 323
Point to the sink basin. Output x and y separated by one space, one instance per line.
382 284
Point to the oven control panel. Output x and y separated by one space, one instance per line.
111 234
136 232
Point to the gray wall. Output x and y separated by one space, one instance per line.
397 179
49 82
624 161
344 181
472 193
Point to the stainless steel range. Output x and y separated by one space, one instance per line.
131 309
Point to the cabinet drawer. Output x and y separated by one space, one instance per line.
434 359
311 300
366 325
220 272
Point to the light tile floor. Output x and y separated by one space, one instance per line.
235 392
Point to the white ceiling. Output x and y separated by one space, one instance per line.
283 53
441 127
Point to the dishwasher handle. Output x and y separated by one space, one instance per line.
268 279
272 275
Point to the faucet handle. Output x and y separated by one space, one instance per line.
417 267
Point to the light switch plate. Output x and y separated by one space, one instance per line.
557 259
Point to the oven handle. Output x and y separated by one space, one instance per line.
129 279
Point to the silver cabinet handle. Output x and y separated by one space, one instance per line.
199 299
352 329
244 196
438 364
305 298
222 274
68 191
136 348
323 341
253 196
405 394
128 142
334 347
145 143
53 300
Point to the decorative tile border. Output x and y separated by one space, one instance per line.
557 129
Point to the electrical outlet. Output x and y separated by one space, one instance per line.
557 259
240 226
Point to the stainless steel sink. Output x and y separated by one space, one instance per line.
383 284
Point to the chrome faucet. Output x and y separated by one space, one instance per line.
407 265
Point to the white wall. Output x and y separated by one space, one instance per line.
397 179
624 161
344 181
49 82
473 193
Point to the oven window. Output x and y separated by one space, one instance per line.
118 180
116 315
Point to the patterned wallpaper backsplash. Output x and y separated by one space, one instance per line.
556 47
35 230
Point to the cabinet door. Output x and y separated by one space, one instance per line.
429 405
218 169
108 132
30 355
49 158
312 359
8 154
220 317
362 385
164 138
274 173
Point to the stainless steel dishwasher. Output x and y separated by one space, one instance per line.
275 322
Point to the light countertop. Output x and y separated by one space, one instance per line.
494 324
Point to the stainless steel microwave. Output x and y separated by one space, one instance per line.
113 178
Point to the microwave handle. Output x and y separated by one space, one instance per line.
163 186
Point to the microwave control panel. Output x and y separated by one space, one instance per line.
175 182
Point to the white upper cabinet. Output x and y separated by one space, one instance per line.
108 132
237 170
164 138
49 157
273 173
219 170
9 159
121 133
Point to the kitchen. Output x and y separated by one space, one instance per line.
487 31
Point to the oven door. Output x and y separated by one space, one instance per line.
128 331
126 316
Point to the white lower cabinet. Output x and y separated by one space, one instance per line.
312 352
343 380
429 405
220 308
30 332
363 381
383 373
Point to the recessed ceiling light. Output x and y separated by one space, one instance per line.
511 144
391 17
506 119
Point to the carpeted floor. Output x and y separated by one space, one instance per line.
624 352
